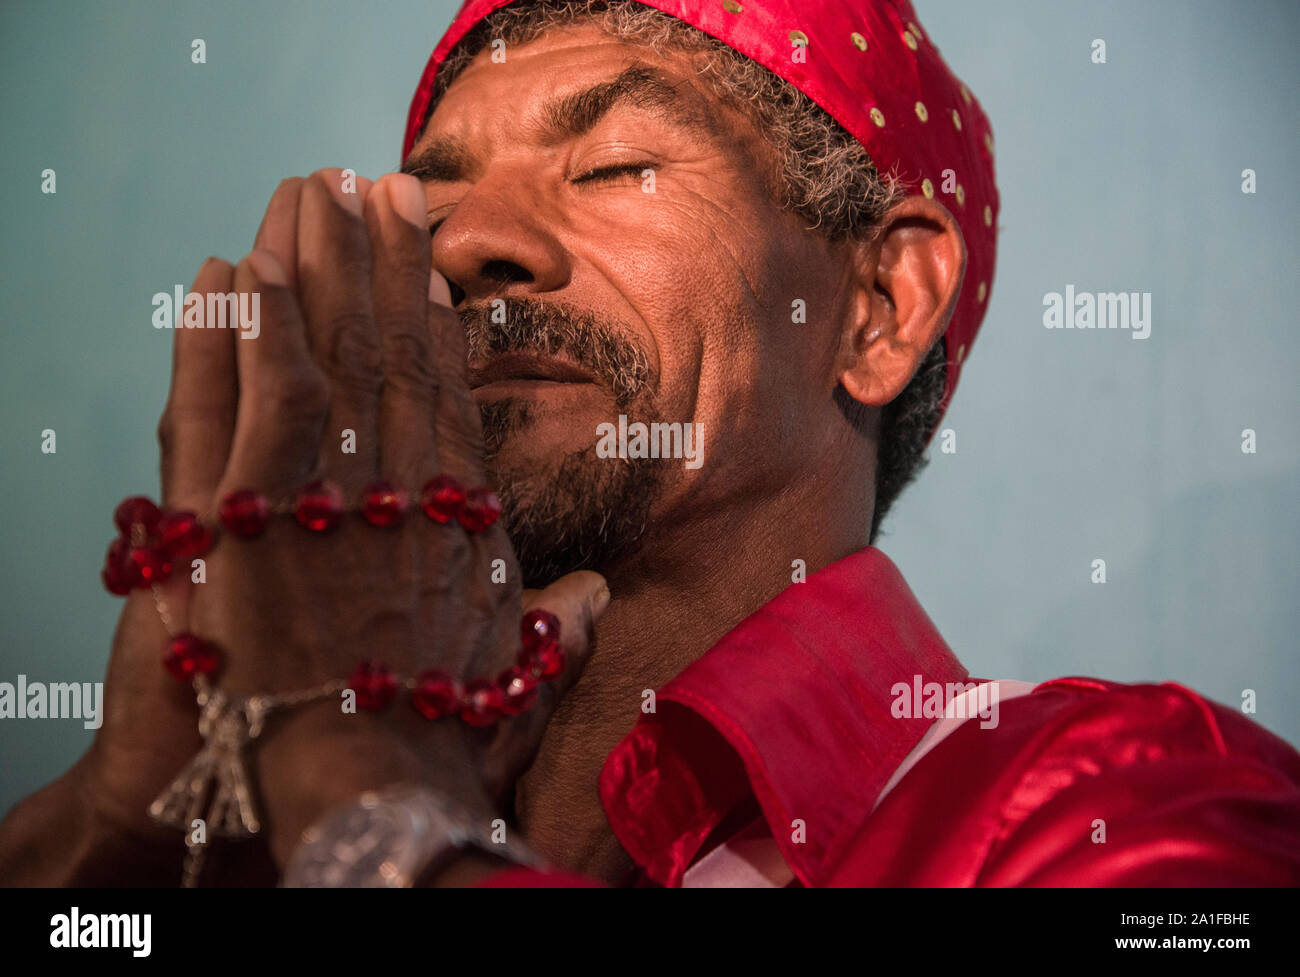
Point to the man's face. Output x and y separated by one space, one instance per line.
668 298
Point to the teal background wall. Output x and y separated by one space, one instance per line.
1070 446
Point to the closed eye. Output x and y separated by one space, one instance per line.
613 172
591 176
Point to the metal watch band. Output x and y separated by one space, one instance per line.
389 839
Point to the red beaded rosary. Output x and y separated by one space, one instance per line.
152 542
214 786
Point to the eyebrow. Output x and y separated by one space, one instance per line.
449 160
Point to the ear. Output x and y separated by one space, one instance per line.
907 280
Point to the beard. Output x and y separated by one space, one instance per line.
572 510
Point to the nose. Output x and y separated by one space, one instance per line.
494 244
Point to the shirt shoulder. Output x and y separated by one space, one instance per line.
1086 782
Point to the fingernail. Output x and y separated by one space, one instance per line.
267 267
600 601
406 194
438 290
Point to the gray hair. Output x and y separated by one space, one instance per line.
825 176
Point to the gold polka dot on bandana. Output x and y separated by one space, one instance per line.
878 117
956 119
961 353
961 196
988 216
984 290
799 37
909 40
858 40
915 30
927 188
921 112
731 7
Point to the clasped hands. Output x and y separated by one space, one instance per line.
357 347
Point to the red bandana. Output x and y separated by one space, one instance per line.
872 68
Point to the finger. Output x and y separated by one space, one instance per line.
457 423
279 230
578 600
283 395
400 262
334 290
198 422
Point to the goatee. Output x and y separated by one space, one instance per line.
571 511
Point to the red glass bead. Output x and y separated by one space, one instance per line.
152 564
188 656
545 661
539 633
244 513
436 694
374 685
383 504
319 506
480 510
442 498
136 511
119 573
537 628
183 536
518 690
482 703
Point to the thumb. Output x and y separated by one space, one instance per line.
578 600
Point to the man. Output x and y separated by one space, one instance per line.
715 267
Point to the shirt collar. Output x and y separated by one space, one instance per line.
794 707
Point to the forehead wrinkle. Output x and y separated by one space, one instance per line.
639 86
449 159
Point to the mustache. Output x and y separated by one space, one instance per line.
529 326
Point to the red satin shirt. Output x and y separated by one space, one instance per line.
793 718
